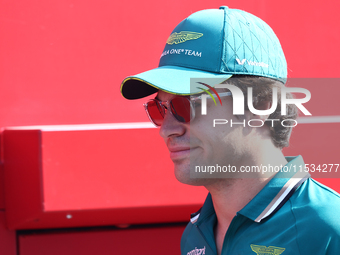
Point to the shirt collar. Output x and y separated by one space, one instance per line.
206 210
278 190
271 198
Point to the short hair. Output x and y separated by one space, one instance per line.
262 92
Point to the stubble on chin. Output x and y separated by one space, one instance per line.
182 174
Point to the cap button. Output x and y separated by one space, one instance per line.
224 7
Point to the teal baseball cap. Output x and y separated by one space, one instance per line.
213 43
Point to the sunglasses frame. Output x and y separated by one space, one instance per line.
165 105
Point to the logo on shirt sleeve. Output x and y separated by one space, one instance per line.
263 250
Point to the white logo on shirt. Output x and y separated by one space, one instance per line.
197 251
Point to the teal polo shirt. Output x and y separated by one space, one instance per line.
292 214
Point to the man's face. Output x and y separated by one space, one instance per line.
198 143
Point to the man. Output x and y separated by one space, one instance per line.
259 201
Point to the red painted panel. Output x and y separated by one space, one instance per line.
152 240
2 186
62 61
7 238
92 177
108 168
318 144
22 164
324 95
2 181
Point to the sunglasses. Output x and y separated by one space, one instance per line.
181 107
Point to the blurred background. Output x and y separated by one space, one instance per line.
104 183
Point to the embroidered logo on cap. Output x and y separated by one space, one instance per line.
251 63
270 250
240 62
183 36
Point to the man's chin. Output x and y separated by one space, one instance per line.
182 174
191 181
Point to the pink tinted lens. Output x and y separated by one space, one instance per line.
180 107
155 112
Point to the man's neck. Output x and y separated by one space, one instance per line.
229 200
230 195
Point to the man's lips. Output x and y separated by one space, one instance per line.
179 152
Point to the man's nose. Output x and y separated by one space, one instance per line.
171 126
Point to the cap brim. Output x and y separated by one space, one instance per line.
171 79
